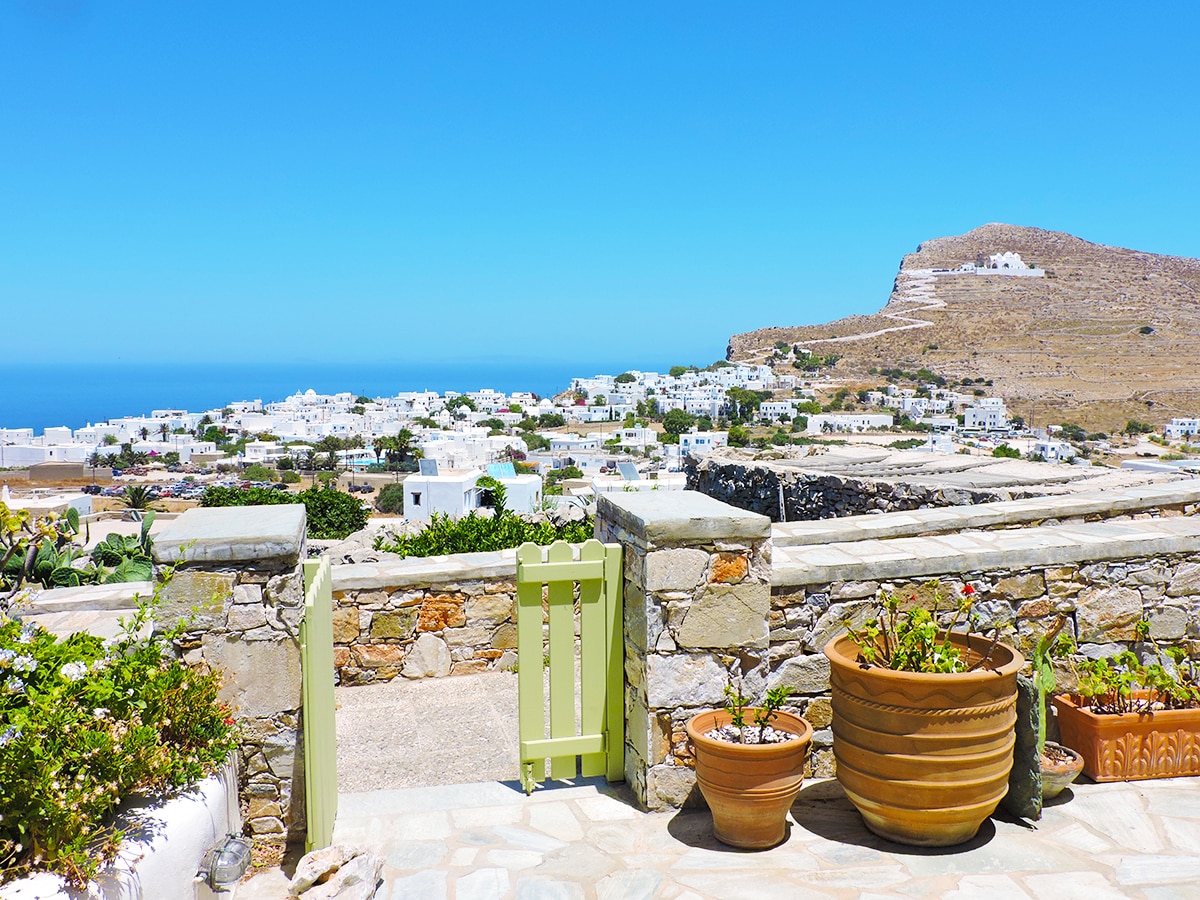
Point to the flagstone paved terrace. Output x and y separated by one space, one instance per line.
488 840
587 840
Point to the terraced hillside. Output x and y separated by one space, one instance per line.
1107 336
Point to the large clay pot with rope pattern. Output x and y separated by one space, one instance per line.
925 757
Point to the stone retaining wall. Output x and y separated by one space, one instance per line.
695 618
697 601
423 618
241 584
1102 601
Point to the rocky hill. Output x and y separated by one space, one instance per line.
1106 336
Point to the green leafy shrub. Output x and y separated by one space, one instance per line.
1125 684
391 499
474 533
289 477
907 637
84 725
1006 452
331 513
258 472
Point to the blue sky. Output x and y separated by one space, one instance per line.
379 181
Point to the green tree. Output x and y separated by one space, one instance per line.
258 472
677 421
136 496
739 436
391 499
743 403
625 378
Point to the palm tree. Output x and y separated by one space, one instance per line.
136 496
163 430
145 432
378 445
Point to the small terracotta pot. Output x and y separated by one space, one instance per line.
1056 776
925 757
1128 746
749 787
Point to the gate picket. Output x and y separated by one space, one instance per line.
600 738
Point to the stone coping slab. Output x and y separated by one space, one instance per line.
90 597
425 570
669 517
1047 545
233 534
1118 501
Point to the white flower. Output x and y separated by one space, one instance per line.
100 712
11 733
25 664
73 671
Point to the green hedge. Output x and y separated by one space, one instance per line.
474 534
331 513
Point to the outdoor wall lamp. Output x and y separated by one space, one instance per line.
224 865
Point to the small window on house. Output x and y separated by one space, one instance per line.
416 498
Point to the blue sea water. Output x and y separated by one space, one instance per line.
42 396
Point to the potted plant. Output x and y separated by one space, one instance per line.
1131 719
924 718
1060 765
750 774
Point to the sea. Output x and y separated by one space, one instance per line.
42 396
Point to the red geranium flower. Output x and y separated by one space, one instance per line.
968 590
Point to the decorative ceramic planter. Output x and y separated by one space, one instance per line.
924 756
749 787
1056 776
1129 746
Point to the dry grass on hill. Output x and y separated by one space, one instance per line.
1066 347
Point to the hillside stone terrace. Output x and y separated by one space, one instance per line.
712 592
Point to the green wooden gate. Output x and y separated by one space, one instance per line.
599 741
320 729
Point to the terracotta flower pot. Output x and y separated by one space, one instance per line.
924 756
749 787
1057 775
1128 746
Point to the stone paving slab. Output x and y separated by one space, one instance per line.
1127 840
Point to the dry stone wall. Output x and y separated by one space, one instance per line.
424 618
1102 602
805 496
240 582
697 600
